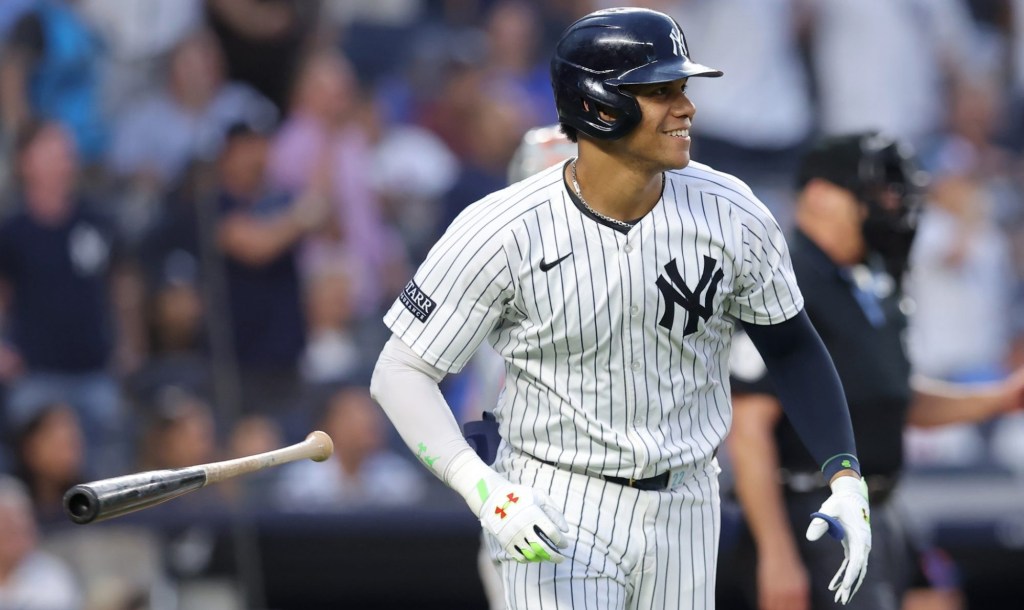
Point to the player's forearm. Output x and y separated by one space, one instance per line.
406 388
809 389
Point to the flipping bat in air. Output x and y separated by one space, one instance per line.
108 498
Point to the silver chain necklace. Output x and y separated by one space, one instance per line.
576 187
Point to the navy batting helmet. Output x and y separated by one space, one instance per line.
610 48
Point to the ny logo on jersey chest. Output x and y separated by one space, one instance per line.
676 292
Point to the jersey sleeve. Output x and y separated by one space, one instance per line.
456 296
766 290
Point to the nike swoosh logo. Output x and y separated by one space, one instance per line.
545 267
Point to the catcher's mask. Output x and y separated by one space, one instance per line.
883 174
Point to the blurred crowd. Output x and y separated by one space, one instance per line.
207 205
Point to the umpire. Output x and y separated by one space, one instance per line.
859 197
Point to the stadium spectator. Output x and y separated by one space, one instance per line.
375 35
413 169
889 65
264 40
962 262
137 38
30 579
49 71
72 316
159 136
761 143
498 119
259 233
332 350
325 137
49 459
514 29
252 434
362 471
180 432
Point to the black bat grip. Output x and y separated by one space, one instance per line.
107 498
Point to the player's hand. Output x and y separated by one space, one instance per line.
846 515
525 522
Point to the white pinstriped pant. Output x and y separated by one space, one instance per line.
628 549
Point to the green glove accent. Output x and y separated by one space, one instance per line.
535 552
482 491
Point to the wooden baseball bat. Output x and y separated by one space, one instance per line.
108 498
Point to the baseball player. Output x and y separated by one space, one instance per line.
855 219
610 285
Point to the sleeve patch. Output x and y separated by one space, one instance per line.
416 301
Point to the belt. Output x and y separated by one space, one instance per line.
658 482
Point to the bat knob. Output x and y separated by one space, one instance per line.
81 504
322 444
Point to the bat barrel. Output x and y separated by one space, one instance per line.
109 498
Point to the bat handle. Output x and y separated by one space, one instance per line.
317 446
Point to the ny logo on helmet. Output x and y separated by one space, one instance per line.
678 44
676 292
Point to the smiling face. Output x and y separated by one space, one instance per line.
662 139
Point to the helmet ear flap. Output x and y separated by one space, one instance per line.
602 111
601 119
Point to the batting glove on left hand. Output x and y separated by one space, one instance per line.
847 516
525 522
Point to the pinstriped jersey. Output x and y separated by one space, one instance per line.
616 343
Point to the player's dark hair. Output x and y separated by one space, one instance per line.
570 132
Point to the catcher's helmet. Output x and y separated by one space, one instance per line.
883 173
610 48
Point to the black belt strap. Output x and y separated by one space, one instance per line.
658 482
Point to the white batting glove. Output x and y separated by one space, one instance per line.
846 515
525 523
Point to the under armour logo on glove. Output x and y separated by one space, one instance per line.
524 521
500 510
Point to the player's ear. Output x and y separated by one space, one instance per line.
606 114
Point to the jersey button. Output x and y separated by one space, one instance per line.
634 310
636 366
628 248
